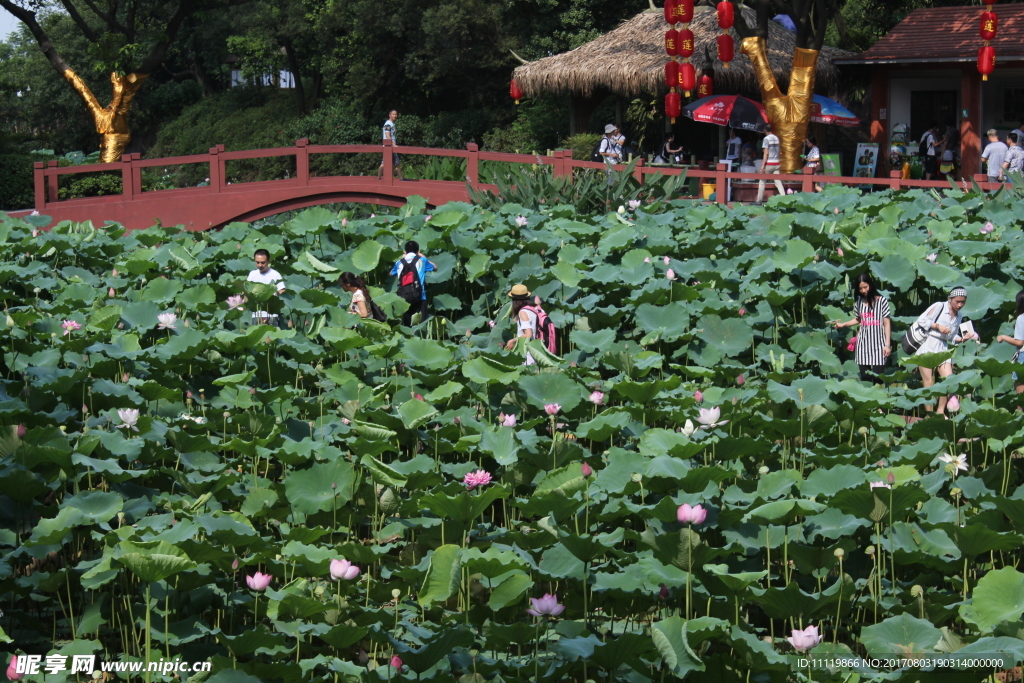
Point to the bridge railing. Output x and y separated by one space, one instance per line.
48 174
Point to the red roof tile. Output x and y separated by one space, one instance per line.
948 34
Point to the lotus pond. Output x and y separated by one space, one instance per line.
345 500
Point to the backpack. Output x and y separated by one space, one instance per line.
547 333
922 148
377 313
595 154
409 287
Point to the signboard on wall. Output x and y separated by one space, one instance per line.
830 164
865 163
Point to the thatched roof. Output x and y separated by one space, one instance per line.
630 60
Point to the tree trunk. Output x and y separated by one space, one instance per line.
111 121
789 114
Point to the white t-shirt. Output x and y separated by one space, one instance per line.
813 156
357 296
388 133
267 278
995 155
771 143
612 147
732 148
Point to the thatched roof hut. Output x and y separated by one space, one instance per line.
630 60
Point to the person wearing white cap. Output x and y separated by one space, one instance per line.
942 323
610 148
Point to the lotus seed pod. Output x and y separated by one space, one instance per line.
870 550
763 470
862 431
839 552
917 591
396 593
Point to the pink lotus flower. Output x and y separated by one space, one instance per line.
802 641
490 324
586 470
346 421
396 662
234 565
258 581
634 204
789 191
12 670
521 221
663 593
478 478
741 380
953 404
931 258
670 274
343 569
743 311
852 345
418 397
597 398
344 222
698 396
691 515
890 478
236 301
111 292
545 607
708 417
647 259
507 420
21 431
70 326
955 463
552 408
839 252
667 260
428 218
114 272
166 321
880 485
129 418
988 228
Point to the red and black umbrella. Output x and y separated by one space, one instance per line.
728 110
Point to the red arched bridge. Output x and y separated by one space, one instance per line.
220 202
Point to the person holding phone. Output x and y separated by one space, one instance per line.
942 323
874 341
1017 339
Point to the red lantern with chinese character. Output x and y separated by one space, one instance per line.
672 74
705 86
687 78
986 61
670 8
989 24
672 42
725 49
514 91
725 15
685 44
684 11
673 106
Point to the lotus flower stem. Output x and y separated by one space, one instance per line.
536 646
148 631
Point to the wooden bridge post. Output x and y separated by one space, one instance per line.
721 184
52 186
302 160
128 190
638 170
216 169
473 164
39 181
894 179
807 185
388 163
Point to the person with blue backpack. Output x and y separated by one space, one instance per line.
412 271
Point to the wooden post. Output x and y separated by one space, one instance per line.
895 177
302 161
136 174
127 178
638 171
216 169
388 163
52 183
808 180
473 164
39 178
721 184
567 164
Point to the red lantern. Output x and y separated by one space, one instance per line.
705 86
673 106
989 24
725 49
685 43
687 78
986 61
725 15
672 74
989 2
683 11
672 42
670 8
515 92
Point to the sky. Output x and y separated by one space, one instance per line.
7 23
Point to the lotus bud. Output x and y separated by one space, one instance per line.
839 252
396 661
743 311
663 593
21 431
234 565
586 470
740 380
10 322
890 478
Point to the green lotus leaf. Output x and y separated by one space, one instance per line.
154 560
552 388
510 591
783 511
669 637
443 578
903 636
311 491
367 255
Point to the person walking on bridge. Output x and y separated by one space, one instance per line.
388 133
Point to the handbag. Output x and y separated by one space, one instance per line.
852 346
915 336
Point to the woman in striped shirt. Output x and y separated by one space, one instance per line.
874 341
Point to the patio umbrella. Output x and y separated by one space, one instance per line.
728 110
824 110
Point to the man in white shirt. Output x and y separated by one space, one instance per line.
265 275
389 133
930 140
1014 160
994 155
770 162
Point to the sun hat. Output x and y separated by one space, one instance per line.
957 291
519 292
610 128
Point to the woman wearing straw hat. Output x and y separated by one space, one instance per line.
942 323
526 320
